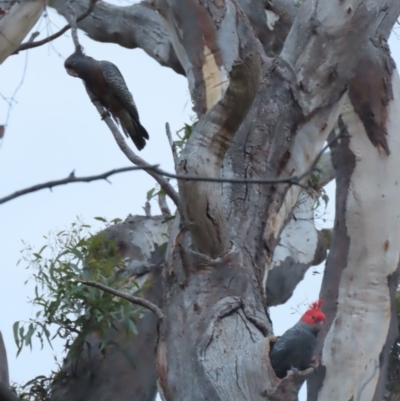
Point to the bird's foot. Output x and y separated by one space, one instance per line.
295 371
314 363
105 114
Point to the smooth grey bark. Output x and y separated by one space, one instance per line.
17 18
135 26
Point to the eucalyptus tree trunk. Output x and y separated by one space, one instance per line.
17 18
269 83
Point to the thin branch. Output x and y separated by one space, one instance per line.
295 180
154 170
172 144
162 203
30 44
135 159
134 300
68 180
74 27
147 209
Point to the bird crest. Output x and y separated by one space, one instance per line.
317 305
314 313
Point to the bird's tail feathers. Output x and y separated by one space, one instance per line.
139 141
140 129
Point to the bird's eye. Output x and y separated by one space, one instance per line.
313 317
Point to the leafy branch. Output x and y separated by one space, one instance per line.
68 309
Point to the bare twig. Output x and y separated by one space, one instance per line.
30 44
154 170
294 180
74 28
68 180
147 209
33 37
172 144
135 300
162 202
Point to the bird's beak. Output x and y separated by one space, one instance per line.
72 72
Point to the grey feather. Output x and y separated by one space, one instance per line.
116 82
294 349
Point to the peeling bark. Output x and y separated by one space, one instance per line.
203 156
362 269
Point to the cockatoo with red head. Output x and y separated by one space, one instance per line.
294 350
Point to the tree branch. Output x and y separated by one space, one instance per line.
172 144
135 26
134 300
74 28
30 44
204 153
326 169
162 203
68 180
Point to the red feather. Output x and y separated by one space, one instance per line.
317 305
314 313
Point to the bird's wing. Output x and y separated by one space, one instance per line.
116 81
294 348
285 346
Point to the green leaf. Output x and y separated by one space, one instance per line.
100 219
15 331
149 194
29 334
132 326
77 253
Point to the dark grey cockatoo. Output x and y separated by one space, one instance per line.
107 84
294 350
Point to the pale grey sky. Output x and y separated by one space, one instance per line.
54 129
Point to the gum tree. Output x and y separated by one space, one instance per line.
271 82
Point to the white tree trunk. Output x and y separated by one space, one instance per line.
15 24
364 300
